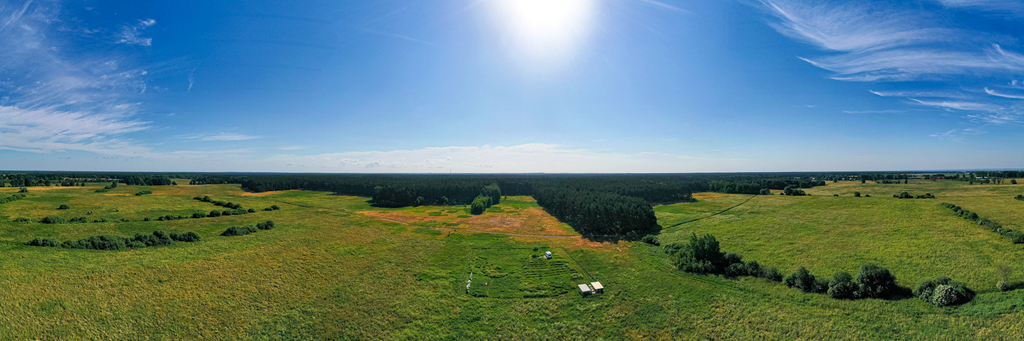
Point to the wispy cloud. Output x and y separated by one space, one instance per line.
131 34
399 36
17 14
996 6
994 93
666 6
874 41
221 137
50 101
958 105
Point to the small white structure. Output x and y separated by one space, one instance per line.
547 255
598 288
585 290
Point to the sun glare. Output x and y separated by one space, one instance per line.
546 29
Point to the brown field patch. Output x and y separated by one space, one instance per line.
531 220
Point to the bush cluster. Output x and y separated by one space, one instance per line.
702 256
793 190
141 193
1017 237
112 242
229 204
64 207
271 208
244 230
943 291
905 195
61 220
872 281
1019 197
480 204
650 239
765 191
11 198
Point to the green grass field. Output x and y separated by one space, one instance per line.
523 272
333 269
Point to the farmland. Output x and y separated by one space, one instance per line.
336 267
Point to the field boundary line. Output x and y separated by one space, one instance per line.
713 214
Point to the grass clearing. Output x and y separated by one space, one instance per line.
522 273
329 270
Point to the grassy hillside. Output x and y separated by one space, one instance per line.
335 267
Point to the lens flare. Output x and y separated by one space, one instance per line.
546 29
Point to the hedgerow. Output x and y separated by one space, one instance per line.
112 242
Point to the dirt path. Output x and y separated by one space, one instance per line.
713 214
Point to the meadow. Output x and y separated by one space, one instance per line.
335 267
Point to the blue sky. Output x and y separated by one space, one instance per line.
471 86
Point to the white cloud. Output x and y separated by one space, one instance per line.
130 34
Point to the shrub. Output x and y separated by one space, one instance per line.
771 274
206 199
480 203
239 231
141 193
268 209
64 207
856 194
53 220
252 210
46 242
22 220
23 190
269 225
943 291
274 207
765 191
904 195
875 281
186 237
650 239
1015 236
1013 182
701 255
214 213
1004 271
198 215
736 270
841 287
804 280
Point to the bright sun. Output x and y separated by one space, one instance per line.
546 28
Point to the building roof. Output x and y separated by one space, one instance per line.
584 288
597 285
